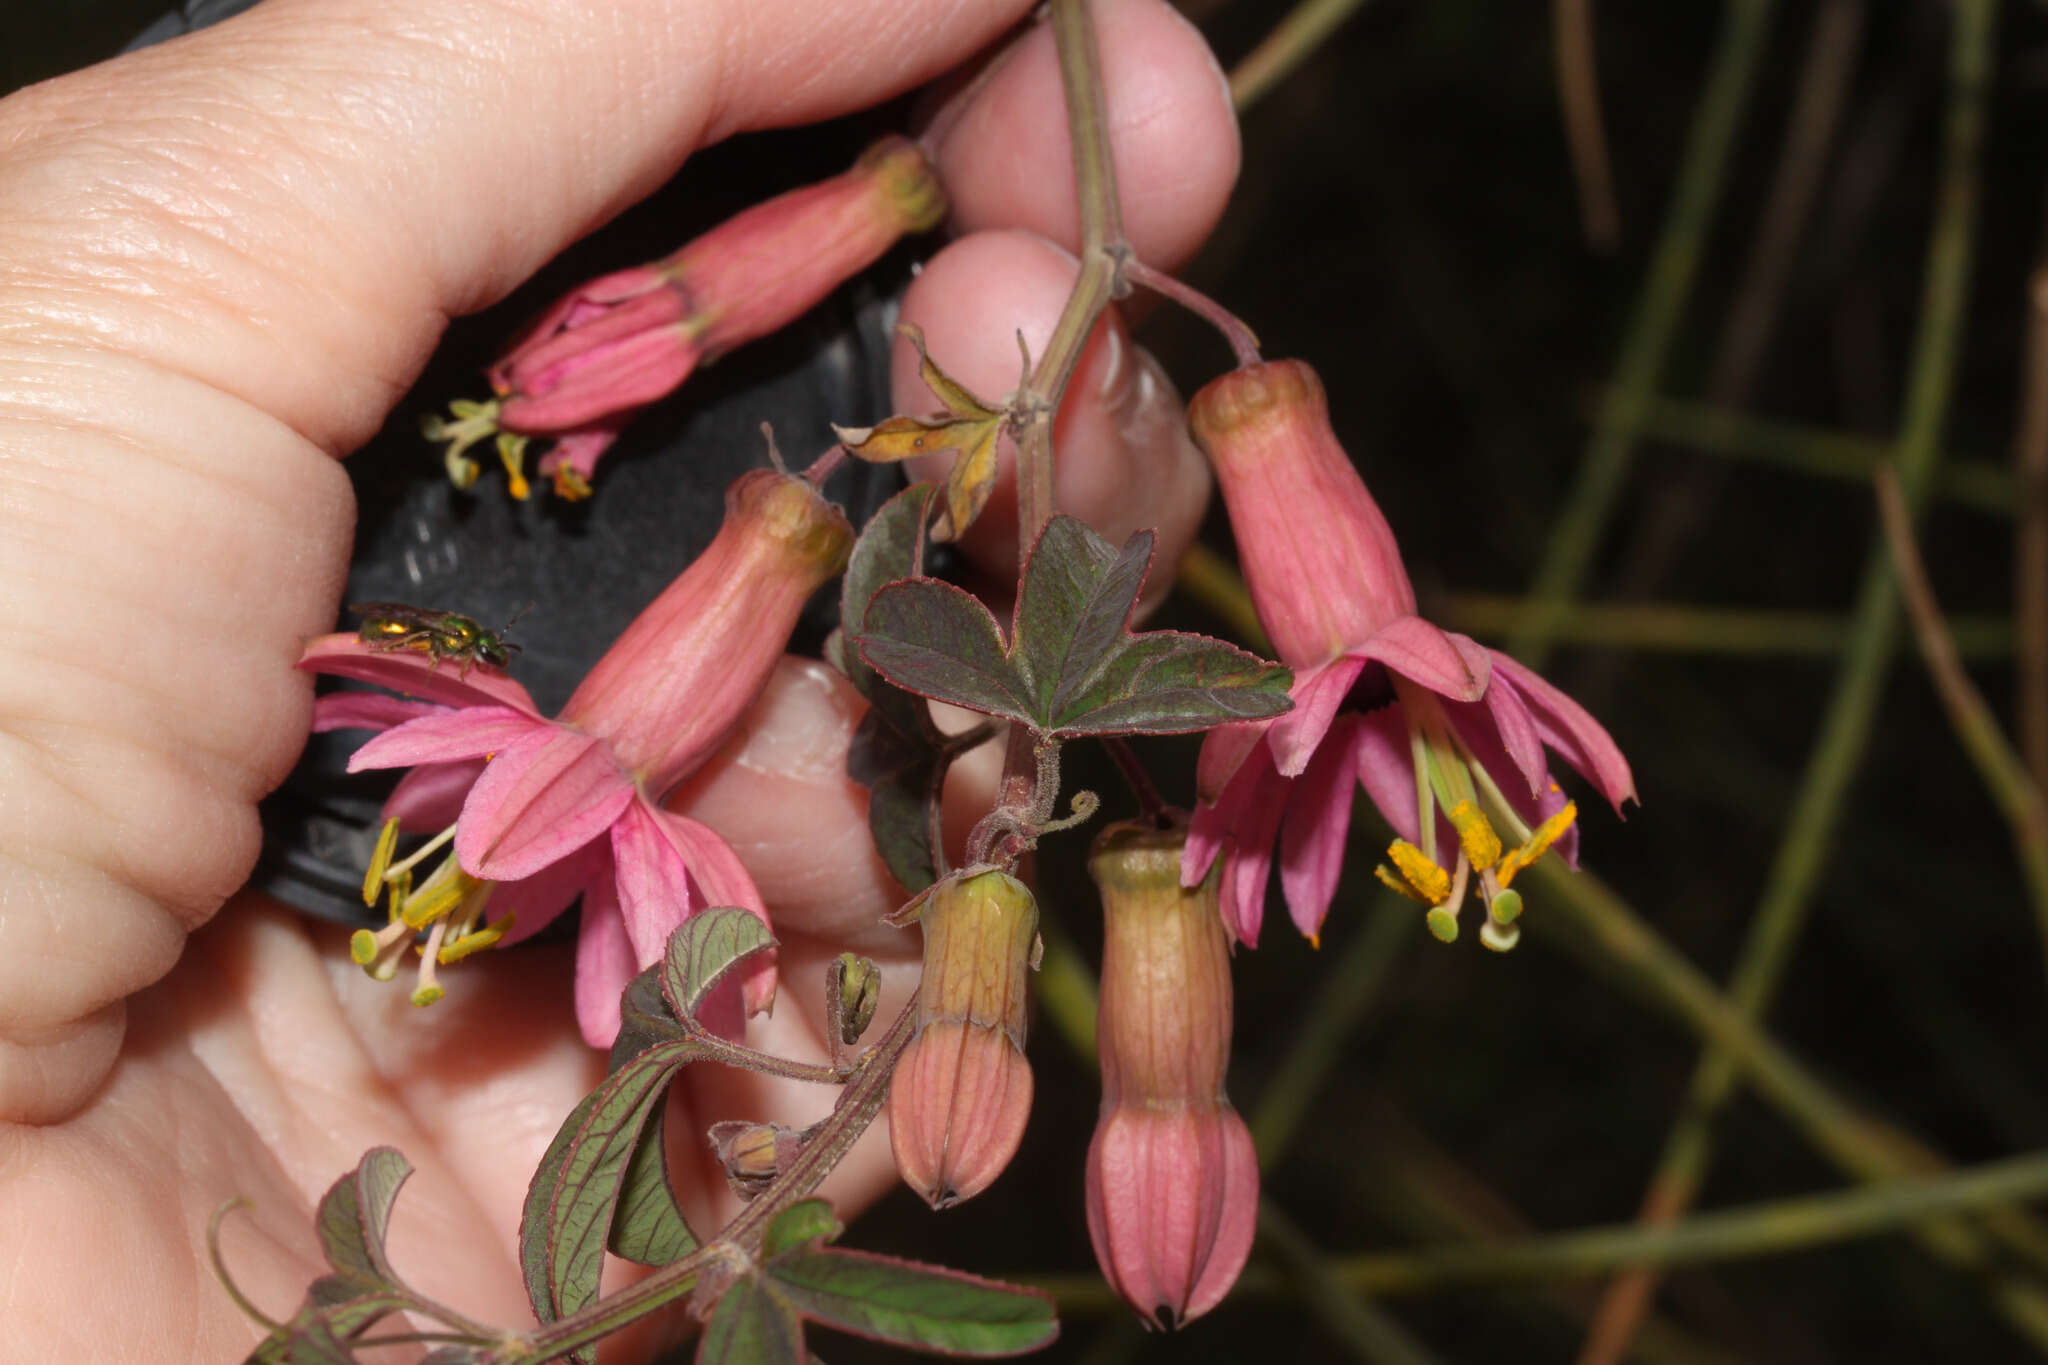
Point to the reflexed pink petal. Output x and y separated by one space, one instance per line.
1250 865
1579 739
445 736
669 868
537 802
653 878
366 711
579 450
1448 664
413 673
604 964
1317 693
1507 715
1224 750
1385 765
1318 819
536 902
1216 823
428 798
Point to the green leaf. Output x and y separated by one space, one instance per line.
752 1326
886 551
575 1193
1072 666
354 1216
915 1305
703 949
1168 682
1075 605
648 1227
899 821
936 640
644 1019
806 1221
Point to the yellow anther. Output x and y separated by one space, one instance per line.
1547 833
1431 882
1392 881
483 938
1475 835
512 454
380 859
570 486
445 890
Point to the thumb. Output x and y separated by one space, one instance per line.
221 261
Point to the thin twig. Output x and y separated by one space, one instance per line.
2003 772
1370 1334
1292 41
2030 586
1329 1024
1647 345
1976 484
1669 628
1578 90
1787 896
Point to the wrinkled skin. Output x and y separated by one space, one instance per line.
221 262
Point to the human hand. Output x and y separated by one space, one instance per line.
221 262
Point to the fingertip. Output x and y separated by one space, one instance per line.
1005 156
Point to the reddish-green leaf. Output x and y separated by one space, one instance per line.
934 639
1072 666
703 949
752 1326
802 1223
648 1226
914 1305
575 1193
354 1216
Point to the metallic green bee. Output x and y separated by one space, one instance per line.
437 634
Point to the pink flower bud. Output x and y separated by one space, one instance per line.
1318 555
1173 1182
628 338
962 1089
667 692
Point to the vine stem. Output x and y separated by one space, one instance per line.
2004 773
1103 252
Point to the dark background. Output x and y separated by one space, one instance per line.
1408 222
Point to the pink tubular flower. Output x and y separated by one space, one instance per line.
1173 1181
617 343
540 810
1446 737
961 1092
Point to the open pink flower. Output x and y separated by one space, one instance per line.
616 343
540 811
1448 738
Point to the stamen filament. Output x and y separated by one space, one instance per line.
420 854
